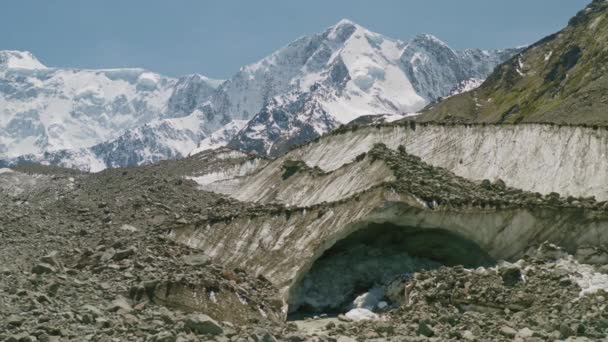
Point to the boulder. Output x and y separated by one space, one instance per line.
425 330
120 303
43 268
508 332
510 274
15 320
124 253
196 260
202 324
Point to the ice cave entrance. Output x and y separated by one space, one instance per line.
357 271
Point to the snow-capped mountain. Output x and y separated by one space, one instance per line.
286 121
45 109
93 119
19 60
220 137
347 72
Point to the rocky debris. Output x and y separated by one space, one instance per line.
454 303
196 260
43 268
202 324
438 187
510 275
85 275
105 282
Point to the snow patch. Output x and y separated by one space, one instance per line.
584 275
362 315
221 137
370 299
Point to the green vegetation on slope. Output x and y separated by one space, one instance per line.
560 79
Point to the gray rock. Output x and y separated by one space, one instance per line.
260 335
52 259
124 253
345 339
511 275
43 268
343 318
196 260
525 333
565 330
129 228
92 310
22 337
15 320
120 303
202 324
425 330
164 336
508 331
468 336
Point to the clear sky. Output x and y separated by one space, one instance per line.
215 38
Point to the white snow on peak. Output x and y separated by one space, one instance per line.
432 38
220 137
213 83
344 21
11 59
139 116
148 80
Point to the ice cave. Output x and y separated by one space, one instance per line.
357 271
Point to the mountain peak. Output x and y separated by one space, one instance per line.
425 37
12 59
344 22
344 29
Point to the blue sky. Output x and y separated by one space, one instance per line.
215 38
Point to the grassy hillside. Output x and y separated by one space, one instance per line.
561 79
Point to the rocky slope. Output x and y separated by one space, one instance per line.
144 254
559 79
74 269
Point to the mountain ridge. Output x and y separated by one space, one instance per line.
559 79
347 70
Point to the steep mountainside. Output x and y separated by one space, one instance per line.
561 79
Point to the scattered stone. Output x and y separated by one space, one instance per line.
468 335
125 253
203 324
425 330
43 268
121 304
508 332
52 259
129 228
511 275
15 320
196 260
